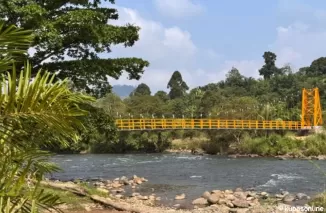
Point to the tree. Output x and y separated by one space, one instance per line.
269 69
142 89
317 67
78 29
144 105
234 78
193 100
177 85
112 104
162 95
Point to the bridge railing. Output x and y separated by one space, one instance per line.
158 124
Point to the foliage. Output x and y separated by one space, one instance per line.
276 144
162 95
142 89
319 201
13 45
276 97
78 29
52 107
177 85
48 107
271 145
269 69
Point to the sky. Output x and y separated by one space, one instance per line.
204 39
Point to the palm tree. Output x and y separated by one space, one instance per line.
41 101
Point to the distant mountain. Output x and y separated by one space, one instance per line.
123 90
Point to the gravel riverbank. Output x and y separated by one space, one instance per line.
236 201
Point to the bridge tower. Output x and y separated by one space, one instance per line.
311 115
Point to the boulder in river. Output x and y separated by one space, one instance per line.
116 185
279 196
180 197
217 191
124 180
135 194
229 197
301 196
289 198
214 198
285 193
206 195
240 203
240 195
200 201
238 190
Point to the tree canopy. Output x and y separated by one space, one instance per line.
269 69
177 86
79 30
141 89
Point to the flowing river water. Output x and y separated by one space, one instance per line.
172 174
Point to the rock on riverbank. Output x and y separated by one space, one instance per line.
246 201
234 201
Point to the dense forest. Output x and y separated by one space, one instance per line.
276 95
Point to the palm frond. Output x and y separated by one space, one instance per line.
14 43
41 100
47 104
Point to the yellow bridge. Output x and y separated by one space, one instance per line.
311 116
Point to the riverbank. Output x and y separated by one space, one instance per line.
289 146
280 157
121 194
172 174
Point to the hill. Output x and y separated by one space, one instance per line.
123 90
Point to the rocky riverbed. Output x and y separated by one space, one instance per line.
125 190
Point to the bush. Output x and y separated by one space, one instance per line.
211 147
188 144
315 144
271 145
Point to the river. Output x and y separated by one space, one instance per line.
171 174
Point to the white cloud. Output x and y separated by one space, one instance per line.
156 41
166 48
304 40
176 39
299 45
171 48
178 8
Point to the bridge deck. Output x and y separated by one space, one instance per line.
205 123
